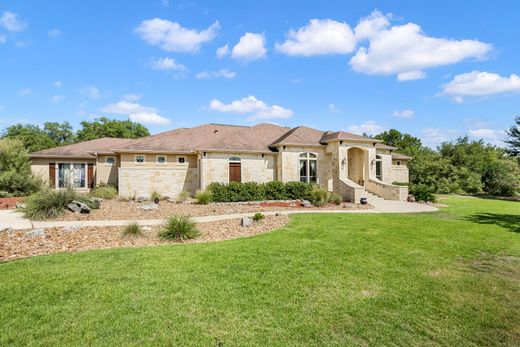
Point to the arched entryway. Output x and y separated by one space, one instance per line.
356 159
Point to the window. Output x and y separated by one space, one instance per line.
110 161
139 159
398 163
235 159
181 160
379 168
308 167
161 159
71 175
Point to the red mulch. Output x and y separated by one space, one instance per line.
9 203
295 203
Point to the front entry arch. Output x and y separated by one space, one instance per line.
356 159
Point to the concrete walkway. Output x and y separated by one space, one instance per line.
15 220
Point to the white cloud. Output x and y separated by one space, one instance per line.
224 73
149 118
11 22
250 47
172 37
166 64
433 137
487 134
21 44
406 51
480 83
333 108
57 98
91 92
3 38
251 105
131 97
25 91
319 37
223 51
369 127
57 84
165 3
370 26
406 114
54 33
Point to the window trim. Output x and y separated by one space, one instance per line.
183 157
165 159
139 155
107 163
308 158
57 174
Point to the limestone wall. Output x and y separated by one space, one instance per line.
399 173
289 161
40 166
105 173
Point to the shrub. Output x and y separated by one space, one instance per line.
155 196
422 192
132 230
178 228
106 192
258 216
203 197
48 203
252 191
298 190
319 197
183 196
335 198
275 190
92 203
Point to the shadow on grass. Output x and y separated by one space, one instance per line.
508 221
494 197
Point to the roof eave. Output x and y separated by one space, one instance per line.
61 156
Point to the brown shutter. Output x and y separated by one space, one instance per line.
52 175
90 176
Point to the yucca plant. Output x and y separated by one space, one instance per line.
179 228
258 216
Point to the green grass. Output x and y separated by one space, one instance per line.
447 278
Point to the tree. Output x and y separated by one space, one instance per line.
16 177
513 139
104 127
60 133
405 143
32 136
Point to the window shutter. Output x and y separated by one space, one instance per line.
52 175
90 176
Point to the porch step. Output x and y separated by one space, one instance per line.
371 197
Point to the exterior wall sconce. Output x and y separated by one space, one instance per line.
343 163
341 142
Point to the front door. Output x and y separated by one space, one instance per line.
235 172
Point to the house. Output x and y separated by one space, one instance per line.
188 159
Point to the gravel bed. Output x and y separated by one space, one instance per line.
16 244
130 210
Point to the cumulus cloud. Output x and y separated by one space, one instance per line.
257 109
433 137
223 51
10 22
369 127
172 37
486 134
224 73
131 97
319 37
3 38
166 64
57 98
53 33
57 84
480 83
91 92
250 47
370 26
406 51
136 112
406 114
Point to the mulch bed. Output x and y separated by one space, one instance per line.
16 244
9 203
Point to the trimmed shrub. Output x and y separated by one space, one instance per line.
335 198
275 190
298 190
203 197
106 192
319 197
258 216
422 192
179 228
132 230
252 191
48 203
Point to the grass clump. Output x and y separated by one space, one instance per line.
106 192
258 216
183 196
155 196
335 198
132 230
179 228
48 203
319 197
203 197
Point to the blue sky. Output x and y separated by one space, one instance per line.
437 71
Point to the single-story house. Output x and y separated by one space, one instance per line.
188 159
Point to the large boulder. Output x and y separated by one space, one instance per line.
149 207
306 203
20 205
35 233
78 207
246 222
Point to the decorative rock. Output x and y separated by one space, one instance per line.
70 229
411 198
74 208
20 205
363 201
246 222
78 207
149 207
99 200
146 228
141 199
7 230
35 233
278 214
306 203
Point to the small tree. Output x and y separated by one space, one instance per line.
16 177
513 139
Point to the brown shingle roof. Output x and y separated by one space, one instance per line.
343 135
383 146
400 156
82 149
209 137
300 135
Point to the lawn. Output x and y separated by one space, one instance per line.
446 278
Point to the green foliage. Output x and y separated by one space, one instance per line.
16 178
258 216
334 198
104 127
502 177
156 196
60 133
106 192
183 196
132 230
422 192
35 138
252 191
48 203
203 197
87 199
319 196
513 139
298 190
274 190
179 228
403 184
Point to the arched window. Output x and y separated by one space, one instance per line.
235 159
308 167
379 167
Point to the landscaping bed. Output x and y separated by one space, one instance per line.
16 244
132 210
10 203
